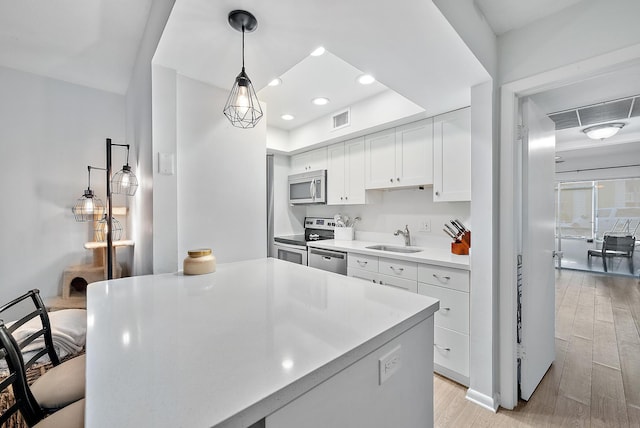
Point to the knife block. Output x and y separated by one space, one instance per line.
461 247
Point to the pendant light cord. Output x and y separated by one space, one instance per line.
242 47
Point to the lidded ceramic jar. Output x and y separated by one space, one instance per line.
199 261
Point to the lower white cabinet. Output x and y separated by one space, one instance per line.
449 285
451 341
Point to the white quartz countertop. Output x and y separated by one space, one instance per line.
439 256
228 348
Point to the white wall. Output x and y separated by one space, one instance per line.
375 113
51 131
165 184
471 25
579 32
277 140
221 195
139 134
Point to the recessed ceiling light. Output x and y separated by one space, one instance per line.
366 79
276 82
319 51
320 101
606 130
287 117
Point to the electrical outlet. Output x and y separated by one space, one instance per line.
426 226
389 364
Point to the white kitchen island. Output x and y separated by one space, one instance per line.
262 341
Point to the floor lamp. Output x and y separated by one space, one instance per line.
90 208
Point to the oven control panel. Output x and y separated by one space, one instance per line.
319 223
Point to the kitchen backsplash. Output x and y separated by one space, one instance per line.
397 208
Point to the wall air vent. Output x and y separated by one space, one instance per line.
341 119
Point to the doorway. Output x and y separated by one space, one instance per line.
511 226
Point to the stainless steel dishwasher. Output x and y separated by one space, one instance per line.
333 261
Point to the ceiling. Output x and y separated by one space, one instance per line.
596 91
507 15
91 42
418 55
315 76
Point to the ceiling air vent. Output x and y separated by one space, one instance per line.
341 119
568 119
605 112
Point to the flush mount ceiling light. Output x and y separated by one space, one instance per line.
320 101
276 82
366 79
242 107
606 130
318 51
287 117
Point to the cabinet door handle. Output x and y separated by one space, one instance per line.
398 179
437 193
362 263
391 180
442 348
444 277
340 197
374 281
394 269
326 258
446 309
345 198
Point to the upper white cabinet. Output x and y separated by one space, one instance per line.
309 161
452 156
400 157
345 173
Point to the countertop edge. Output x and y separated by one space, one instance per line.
296 389
412 257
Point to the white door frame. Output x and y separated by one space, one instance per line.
510 224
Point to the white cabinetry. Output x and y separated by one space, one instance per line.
383 271
451 343
309 161
449 285
452 156
400 157
345 173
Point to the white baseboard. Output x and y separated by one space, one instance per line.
489 403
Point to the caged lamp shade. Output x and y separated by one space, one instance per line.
102 227
88 207
124 182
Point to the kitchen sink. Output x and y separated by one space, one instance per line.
394 249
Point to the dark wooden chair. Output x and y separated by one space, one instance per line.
15 385
16 382
615 246
64 383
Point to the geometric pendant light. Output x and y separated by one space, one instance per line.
242 107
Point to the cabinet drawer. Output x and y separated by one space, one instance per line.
451 350
457 279
362 261
392 281
454 307
398 268
362 274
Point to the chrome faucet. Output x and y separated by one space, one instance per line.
405 233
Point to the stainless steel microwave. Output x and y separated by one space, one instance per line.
308 187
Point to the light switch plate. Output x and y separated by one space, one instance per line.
389 364
166 163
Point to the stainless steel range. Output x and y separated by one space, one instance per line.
293 248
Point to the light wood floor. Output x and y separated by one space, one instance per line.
595 379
